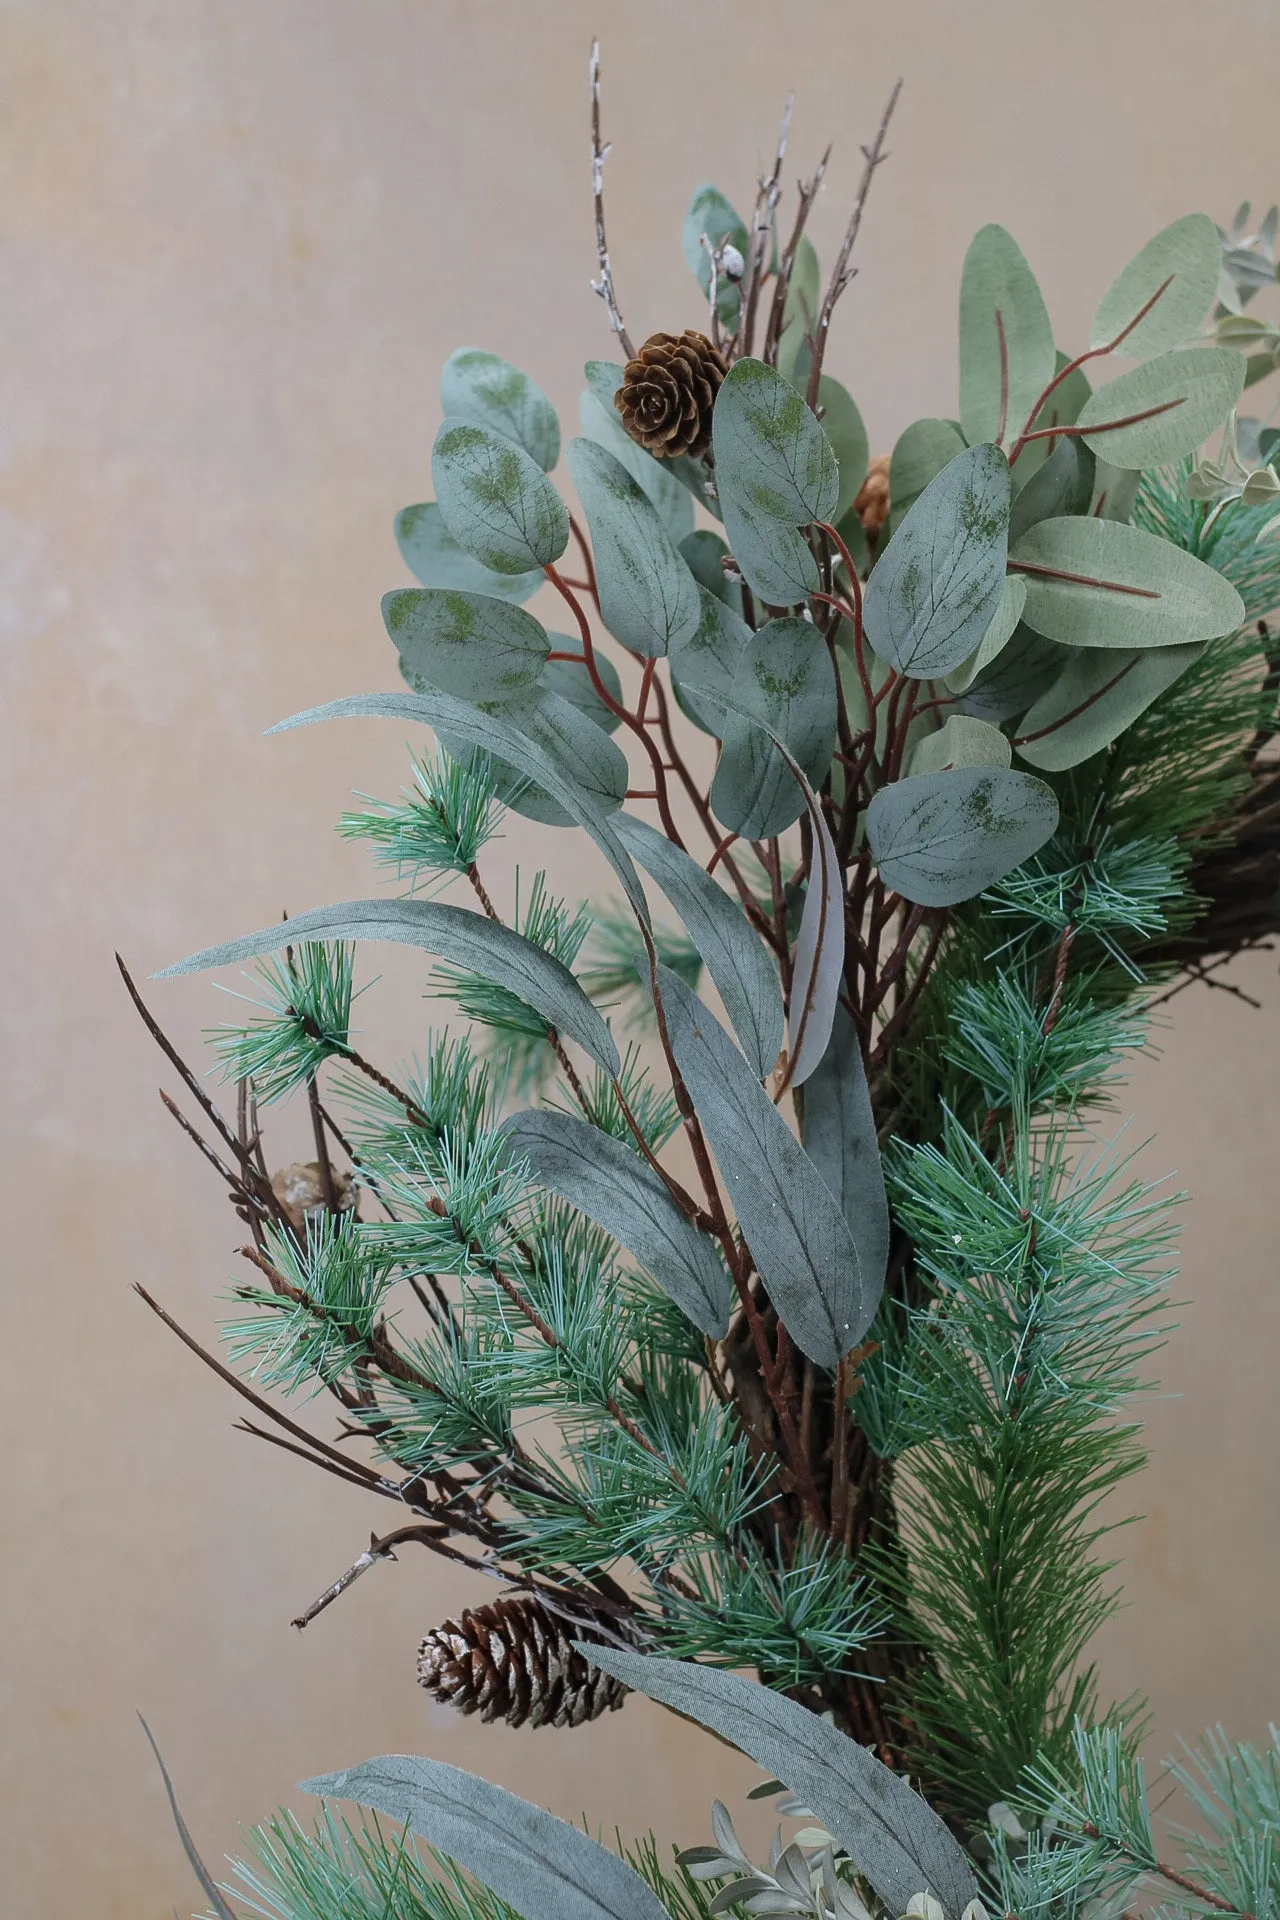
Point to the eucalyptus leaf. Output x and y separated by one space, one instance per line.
937 587
674 503
1061 409
798 1237
842 424
704 664
1004 624
497 503
1063 485
939 838
703 552
571 680
1175 277
800 314
431 553
1006 340
539 1865
891 1834
921 452
961 742
818 971
1098 583
711 214
775 472
1115 490
838 1129
617 1189
494 734
465 939
734 954
490 392
1019 674
1112 689
1171 405
470 644
784 676
648 597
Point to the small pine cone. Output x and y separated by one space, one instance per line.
515 1660
871 503
668 392
301 1193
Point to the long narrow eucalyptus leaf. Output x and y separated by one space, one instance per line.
819 956
208 1885
618 1190
544 1868
734 954
839 1134
465 939
493 734
892 1835
798 1237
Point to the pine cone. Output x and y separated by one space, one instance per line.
515 1660
301 1193
668 392
871 503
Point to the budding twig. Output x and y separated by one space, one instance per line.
599 154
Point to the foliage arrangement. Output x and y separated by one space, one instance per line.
802 1330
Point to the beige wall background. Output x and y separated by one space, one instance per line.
239 237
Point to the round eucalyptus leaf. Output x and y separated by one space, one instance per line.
922 451
648 597
704 663
1062 485
939 838
961 742
785 676
800 313
465 643
1020 673
430 552
775 472
1004 625
497 503
703 552
673 502
1098 583
842 424
1006 340
1167 407
572 681
1098 693
711 214
479 387
1061 409
1175 277
936 589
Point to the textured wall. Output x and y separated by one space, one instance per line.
239 236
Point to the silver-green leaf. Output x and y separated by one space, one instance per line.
470 644
465 939
838 1128
495 734
922 450
939 838
648 597
842 424
784 677
1175 278
818 971
961 741
733 953
497 502
432 554
674 503
711 214
891 1834
936 588
798 1237
775 473
705 662
1006 340
1098 583
617 1189
539 1865
1098 693
490 392
1167 407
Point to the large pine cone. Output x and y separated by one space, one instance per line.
515 1660
668 392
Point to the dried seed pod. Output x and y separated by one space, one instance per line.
668 393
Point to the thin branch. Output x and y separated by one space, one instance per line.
599 154
377 1549
761 228
808 190
874 155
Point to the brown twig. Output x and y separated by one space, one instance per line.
874 156
599 154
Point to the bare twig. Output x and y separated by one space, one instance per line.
874 155
808 194
761 228
599 154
